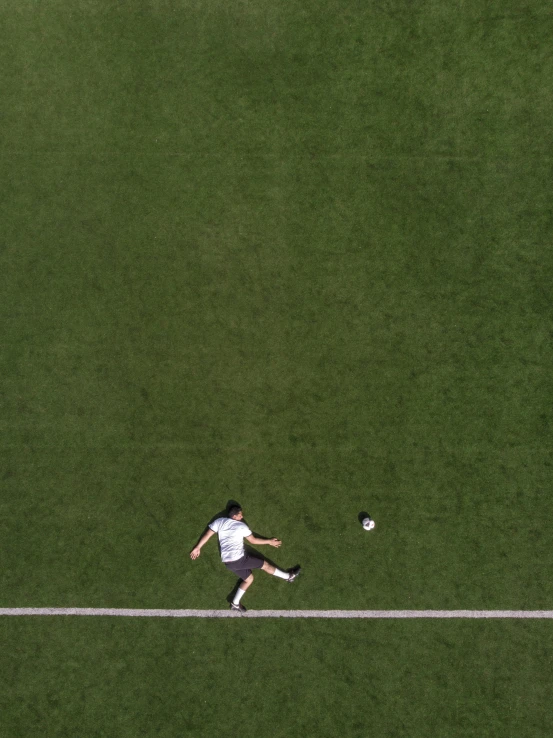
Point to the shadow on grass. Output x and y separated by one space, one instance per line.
220 514
248 549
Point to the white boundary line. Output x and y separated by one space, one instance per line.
334 614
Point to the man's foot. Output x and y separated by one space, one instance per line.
237 607
294 574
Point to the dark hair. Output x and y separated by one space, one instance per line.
234 510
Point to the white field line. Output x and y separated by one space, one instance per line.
334 614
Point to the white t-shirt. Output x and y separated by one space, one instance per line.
231 537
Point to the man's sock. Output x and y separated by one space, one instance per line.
238 596
281 574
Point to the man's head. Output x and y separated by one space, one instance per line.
235 512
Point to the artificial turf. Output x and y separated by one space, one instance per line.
295 256
96 677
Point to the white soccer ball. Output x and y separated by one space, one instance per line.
368 524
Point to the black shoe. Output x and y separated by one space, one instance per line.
294 574
237 607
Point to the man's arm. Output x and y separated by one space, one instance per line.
204 539
263 541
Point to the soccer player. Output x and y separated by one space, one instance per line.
232 532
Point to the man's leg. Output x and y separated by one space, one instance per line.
246 583
270 569
241 591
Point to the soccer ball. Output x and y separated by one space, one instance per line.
368 524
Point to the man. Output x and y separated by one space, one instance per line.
232 532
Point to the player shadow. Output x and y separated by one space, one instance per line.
220 514
248 549
224 513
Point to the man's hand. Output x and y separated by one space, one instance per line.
274 542
204 539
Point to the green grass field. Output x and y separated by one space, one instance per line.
299 256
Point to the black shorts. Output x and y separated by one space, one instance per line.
243 567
